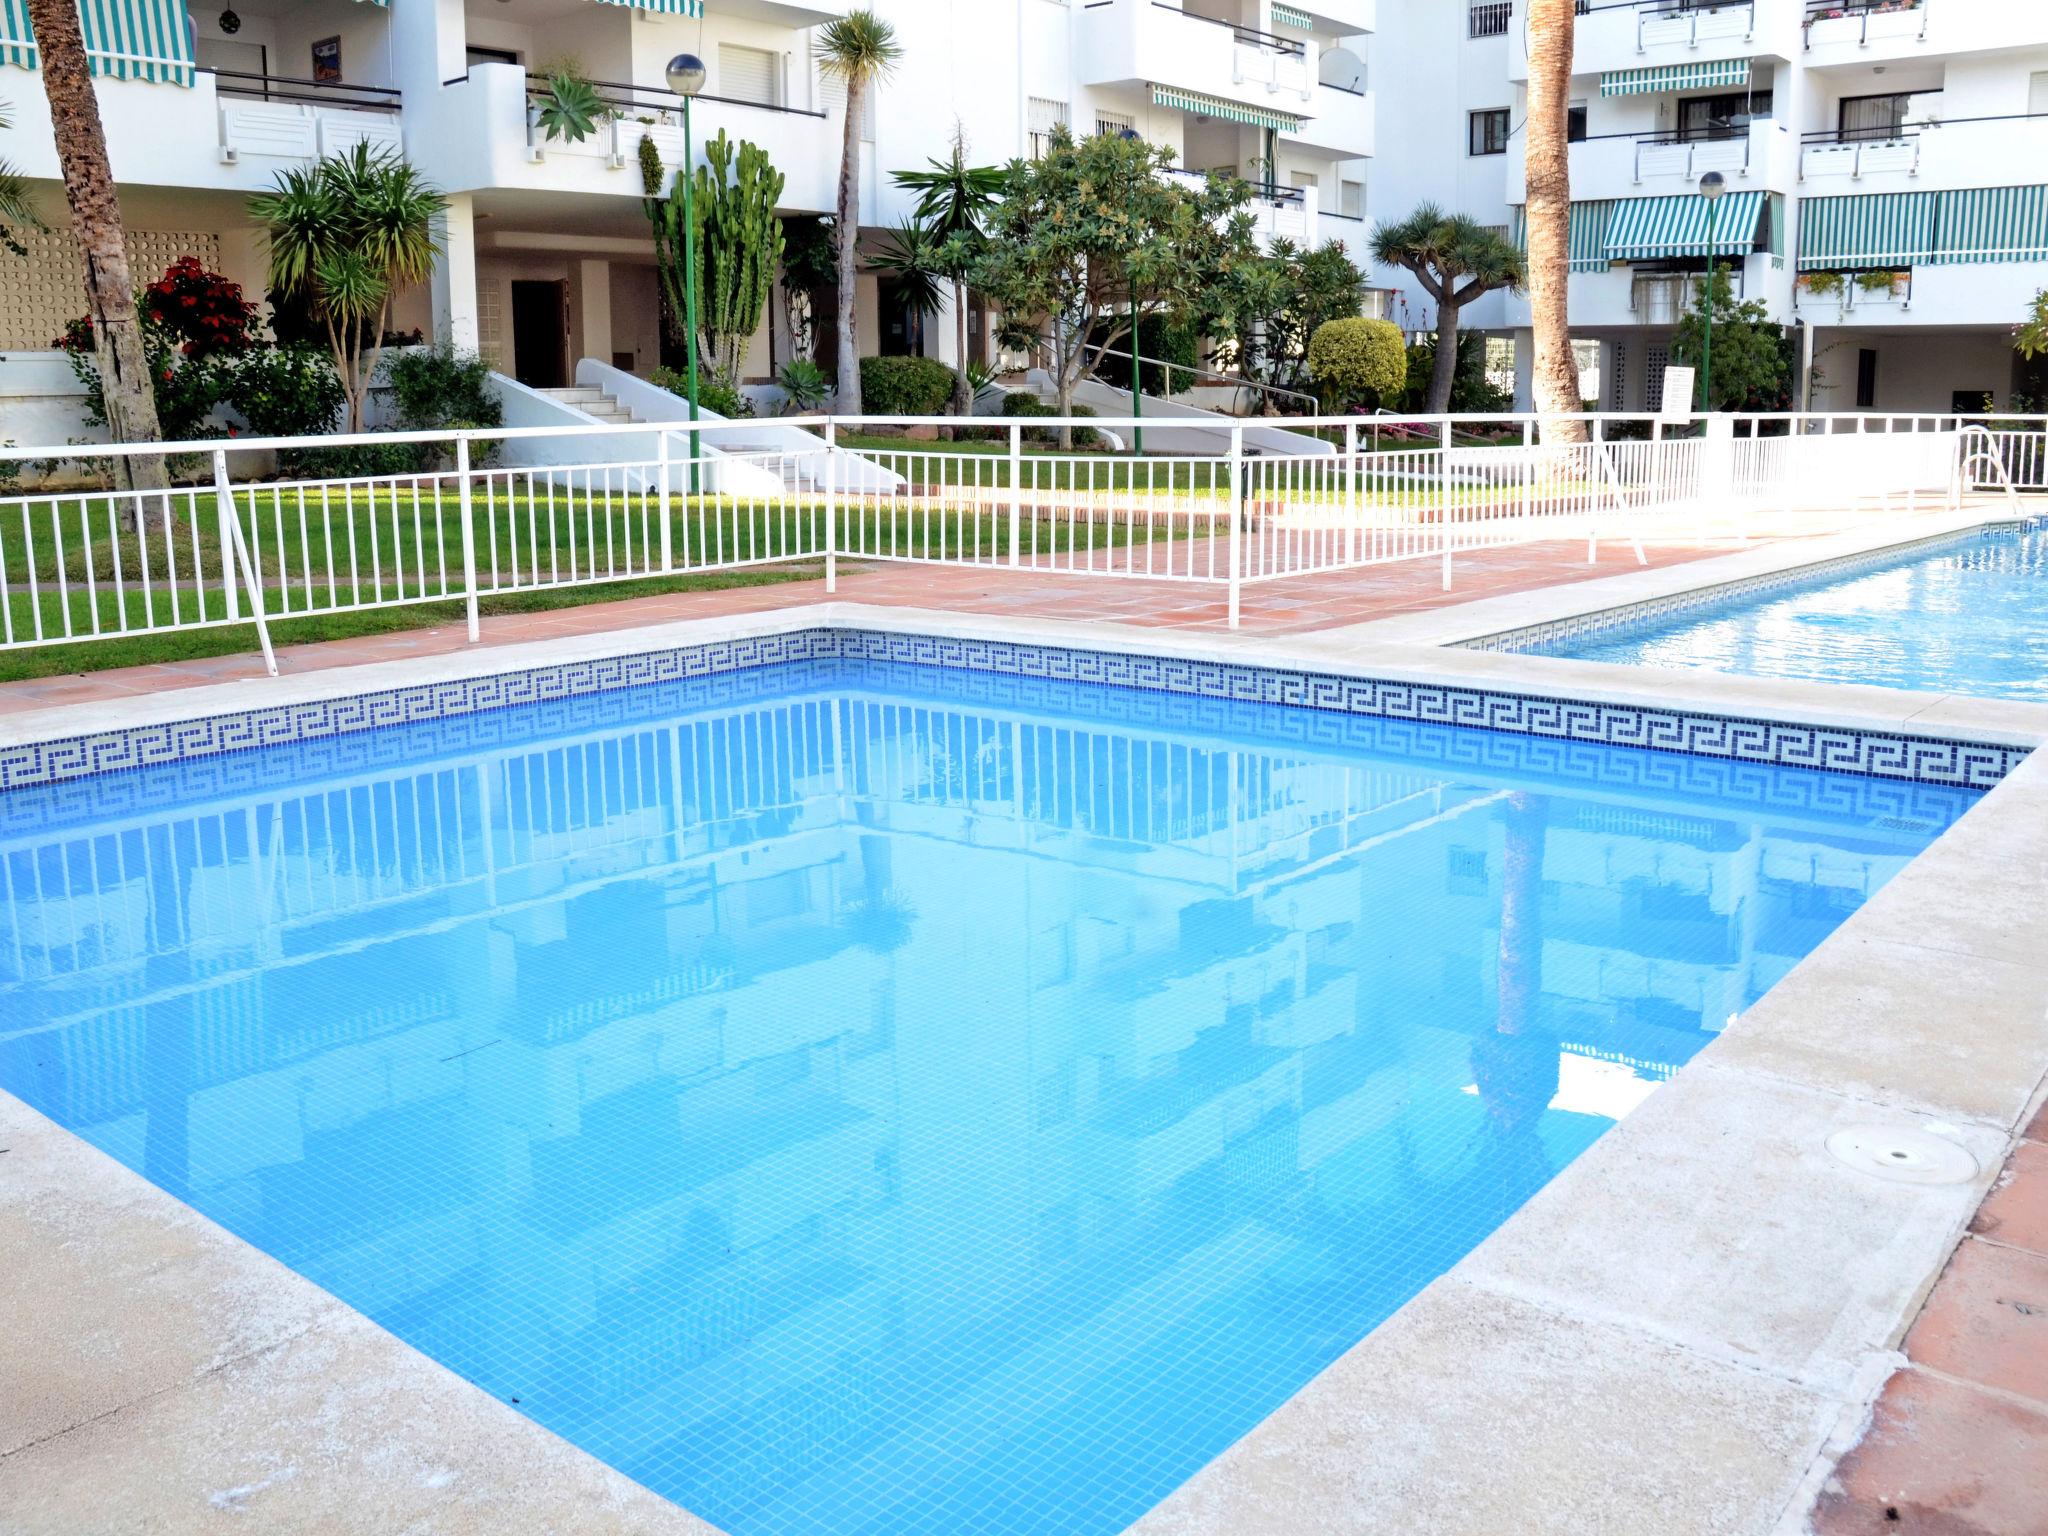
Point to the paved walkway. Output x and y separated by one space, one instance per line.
1959 1443
1293 606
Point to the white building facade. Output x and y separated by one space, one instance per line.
548 255
1887 187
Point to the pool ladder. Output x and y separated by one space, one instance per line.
1986 456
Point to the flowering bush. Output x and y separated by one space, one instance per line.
201 311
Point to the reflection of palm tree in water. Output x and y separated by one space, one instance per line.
1515 1065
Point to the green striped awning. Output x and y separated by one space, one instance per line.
124 39
690 8
1886 229
375 2
1674 77
1657 228
1228 111
1991 224
1588 236
1286 18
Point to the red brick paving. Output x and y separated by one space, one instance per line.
1297 605
1958 1445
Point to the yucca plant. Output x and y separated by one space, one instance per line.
346 235
806 385
15 212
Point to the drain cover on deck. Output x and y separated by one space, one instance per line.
1903 1154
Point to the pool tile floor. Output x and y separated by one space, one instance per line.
1958 1445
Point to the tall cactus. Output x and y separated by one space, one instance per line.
739 245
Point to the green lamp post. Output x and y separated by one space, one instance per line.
1712 185
686 79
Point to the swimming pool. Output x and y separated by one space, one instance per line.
1970 616
857 1097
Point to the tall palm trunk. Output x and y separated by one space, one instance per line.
963 390
96 222
1445 371
849 240
1548 157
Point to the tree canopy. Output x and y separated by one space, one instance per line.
1456 259
1754 361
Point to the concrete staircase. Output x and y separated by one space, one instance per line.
594 403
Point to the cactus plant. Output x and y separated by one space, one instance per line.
739 245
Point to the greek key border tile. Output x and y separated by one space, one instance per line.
1875 754
1545 639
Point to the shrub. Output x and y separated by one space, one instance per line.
1170 353
199 311
1358 361
905 386
194 324
713 393
437 389
1031 405
288 391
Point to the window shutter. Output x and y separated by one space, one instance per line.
749 74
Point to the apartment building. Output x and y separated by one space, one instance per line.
548 257
1883 160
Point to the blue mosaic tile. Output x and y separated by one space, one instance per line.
1871 753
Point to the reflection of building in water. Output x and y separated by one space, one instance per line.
753 1065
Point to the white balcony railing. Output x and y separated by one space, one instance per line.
282 118
1692 158
1688 23
1841 21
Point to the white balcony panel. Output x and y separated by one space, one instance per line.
1934 29
1613 38
1339 123
276 129
1140 43
340 132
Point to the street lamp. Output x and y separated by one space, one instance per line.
1712 185
686 79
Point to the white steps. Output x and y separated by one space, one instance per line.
594 403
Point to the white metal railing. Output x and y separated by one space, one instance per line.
1821 12
1692 21
1488 18
524 510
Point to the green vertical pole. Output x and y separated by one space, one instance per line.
689 175
1707 303
1137 381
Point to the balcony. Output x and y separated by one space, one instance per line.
273 119
1346 16
1926 153
496 140
1286 213
1759 155
1650 34
1340 123
1149 44
1860 33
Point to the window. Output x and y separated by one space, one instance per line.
1114 123
1304 179
749 74
1871 117
475 55
1575 123
1488 132
1045 115
1722 117
1866 379
1488 18
1351 199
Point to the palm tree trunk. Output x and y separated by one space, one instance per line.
96 221
1445 372
1551 27
849 238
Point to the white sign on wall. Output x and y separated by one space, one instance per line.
1678 395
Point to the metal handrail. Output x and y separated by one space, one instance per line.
1236 379
665 101
1267 40
391 102
1988 453
1822 10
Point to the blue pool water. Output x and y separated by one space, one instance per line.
856 1098
1969 617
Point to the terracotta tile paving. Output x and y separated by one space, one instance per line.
1295 606
1958 1445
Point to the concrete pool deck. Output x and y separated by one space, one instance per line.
1681 1332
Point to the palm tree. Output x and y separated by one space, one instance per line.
1456 260
859 48
345 235
954 199
1551 27
96 223
15 212
913 258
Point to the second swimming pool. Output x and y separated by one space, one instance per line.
1962 617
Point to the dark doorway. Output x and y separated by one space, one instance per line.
902 322
1866 379
540 334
